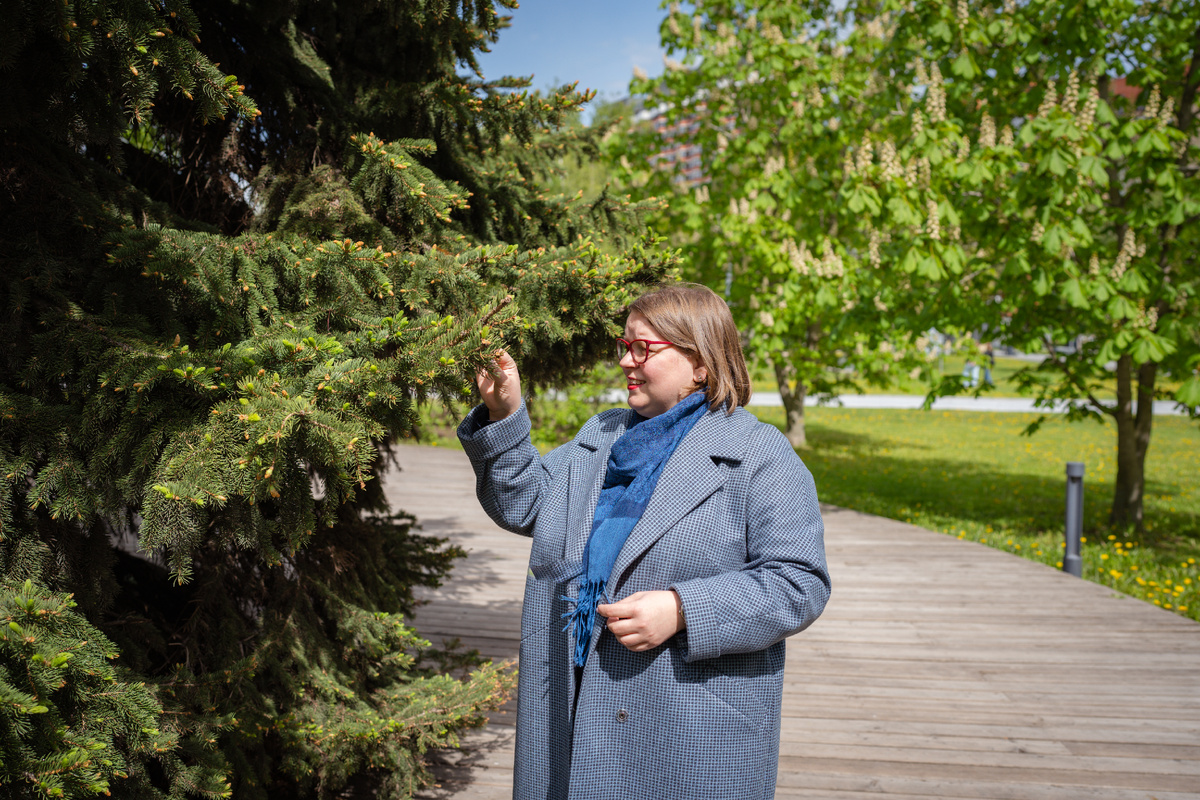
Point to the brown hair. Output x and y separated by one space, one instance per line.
698 321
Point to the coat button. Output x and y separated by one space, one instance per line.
622 715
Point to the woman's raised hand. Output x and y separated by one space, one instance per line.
500 386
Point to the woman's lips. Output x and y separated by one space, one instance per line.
633 384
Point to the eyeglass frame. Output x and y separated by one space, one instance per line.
629 349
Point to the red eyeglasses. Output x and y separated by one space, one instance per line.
639 349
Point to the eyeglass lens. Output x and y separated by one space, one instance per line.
637 348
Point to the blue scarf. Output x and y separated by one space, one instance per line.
634 466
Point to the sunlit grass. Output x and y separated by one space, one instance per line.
973 476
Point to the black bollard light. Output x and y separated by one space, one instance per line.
1072 562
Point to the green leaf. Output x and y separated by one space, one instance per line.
1093 167
979 173
1104 113
1152 141
930 267
1145 351
1115 150
1132 282
1120 307
1072 292
855 202
964 66
1189 392
1041 282
1108 352
1165 178
953 258
1052 240
1054 162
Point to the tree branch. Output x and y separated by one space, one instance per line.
1064 365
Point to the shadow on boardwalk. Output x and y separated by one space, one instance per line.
941 668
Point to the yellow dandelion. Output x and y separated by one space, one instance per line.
1104 556
1141 581
1115 574
1112 537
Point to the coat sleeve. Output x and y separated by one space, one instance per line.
785 583
510 473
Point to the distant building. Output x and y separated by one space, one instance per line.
1121 87
679 152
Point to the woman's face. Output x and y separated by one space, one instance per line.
666 376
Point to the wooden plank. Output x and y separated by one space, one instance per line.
1052 775
941 669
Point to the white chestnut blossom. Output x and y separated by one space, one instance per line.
987 131
1049 100
935 98
933 223
1071 95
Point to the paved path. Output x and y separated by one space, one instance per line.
941 668
1009 404
1021 405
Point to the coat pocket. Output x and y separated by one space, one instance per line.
735 690
544 589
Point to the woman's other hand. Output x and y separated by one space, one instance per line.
644 620
500 386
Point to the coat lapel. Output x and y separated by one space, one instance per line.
587 479
691 475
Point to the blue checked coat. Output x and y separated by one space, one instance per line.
734 527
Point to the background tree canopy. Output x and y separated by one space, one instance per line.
239 242
1025 170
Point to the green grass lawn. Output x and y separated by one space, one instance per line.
973 476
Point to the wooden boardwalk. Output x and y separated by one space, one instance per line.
940 669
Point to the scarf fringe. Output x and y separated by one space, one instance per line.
581 620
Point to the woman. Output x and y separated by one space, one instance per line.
681 542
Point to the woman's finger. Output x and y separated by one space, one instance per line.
623 608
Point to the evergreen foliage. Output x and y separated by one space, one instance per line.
217 312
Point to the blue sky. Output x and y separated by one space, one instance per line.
596 42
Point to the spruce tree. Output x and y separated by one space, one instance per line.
240 243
